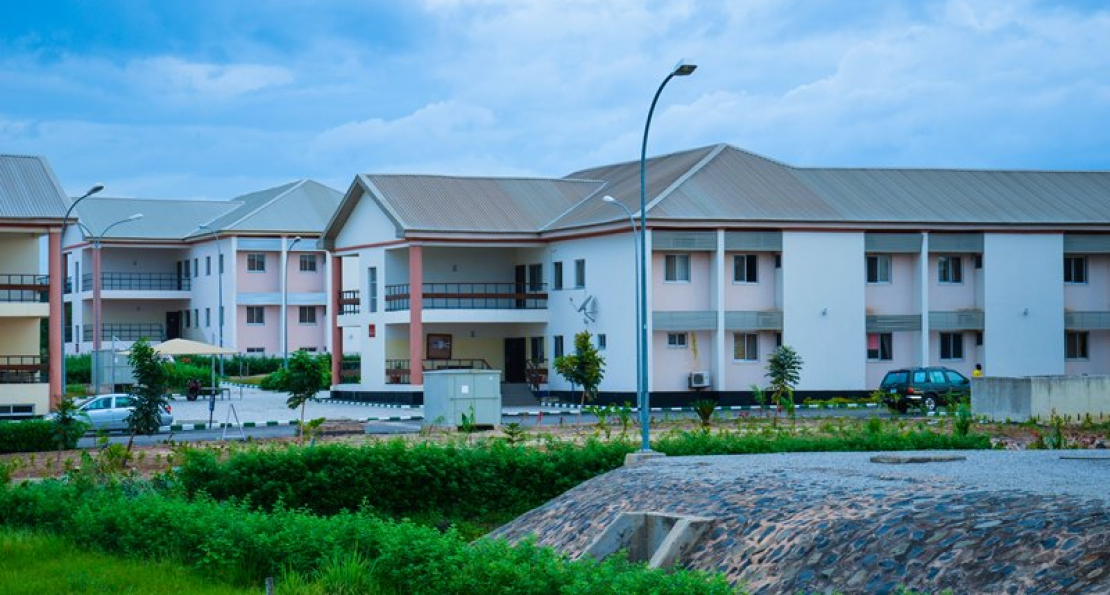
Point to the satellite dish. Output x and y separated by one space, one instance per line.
588 308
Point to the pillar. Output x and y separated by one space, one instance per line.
721 336
97 320
416 315
335 269
55 322
923 298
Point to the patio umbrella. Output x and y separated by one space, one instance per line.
177 347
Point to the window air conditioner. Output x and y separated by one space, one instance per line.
699 380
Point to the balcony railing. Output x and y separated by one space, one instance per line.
470 296
139 281
127 332
24 288
348 302
398 371
22 369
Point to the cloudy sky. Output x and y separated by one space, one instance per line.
210 98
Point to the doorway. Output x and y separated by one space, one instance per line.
173 325
515 357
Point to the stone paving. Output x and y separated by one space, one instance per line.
997 522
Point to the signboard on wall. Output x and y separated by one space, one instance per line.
439 346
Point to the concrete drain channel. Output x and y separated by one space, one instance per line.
660 539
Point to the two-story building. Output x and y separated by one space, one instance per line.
859 270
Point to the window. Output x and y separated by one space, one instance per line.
919 377
308 263
676 340
778 339
676 268
557 345
880 347
256 315
187 319
256 350
949 270
978 338
978 261
196 317
878 268
745 268
580 273
951 346
602 342
221 264
307 314
1075 345
778 261
535 277
208 317
256 263
187 271
196 267
1075 269
221 315
308 349
538 353
372 288
207 266
745 347
557 276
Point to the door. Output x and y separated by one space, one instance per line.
521 285
121 409
514 360
173 325
99 412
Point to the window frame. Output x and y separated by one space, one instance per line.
678 340
372 289
557 275
256 262
1070 270
879 259
1077 346
750 269
885 340
301 310
954 270
743 338
955 342
671 268
307 258
556 346
260 319
580 273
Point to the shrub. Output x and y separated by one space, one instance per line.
78 369
728 443
33 435
178 374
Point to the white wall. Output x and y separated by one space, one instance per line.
367 224
1023 271
824 307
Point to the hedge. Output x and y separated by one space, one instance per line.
32 435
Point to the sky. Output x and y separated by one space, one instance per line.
213 99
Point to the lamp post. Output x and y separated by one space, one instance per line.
681 69
636 281
96 294
220 289
285 302
65 276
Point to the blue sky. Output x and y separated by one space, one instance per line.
214 99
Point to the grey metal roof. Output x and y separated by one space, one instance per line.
304 206
162 219
29 189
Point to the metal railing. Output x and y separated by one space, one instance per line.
470 296
24 288
398 371
22 369
139 281
348 302
127 331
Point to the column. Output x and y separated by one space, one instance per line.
335 269
97 322
719 348
923 280
55 322
283 330
416 315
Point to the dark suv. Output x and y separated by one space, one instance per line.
927 388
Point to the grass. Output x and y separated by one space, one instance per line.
32 564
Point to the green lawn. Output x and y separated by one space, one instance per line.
33 564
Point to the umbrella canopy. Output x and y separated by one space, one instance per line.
187 347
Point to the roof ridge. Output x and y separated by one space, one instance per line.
651 158
601 186
292 186
717 150
498 178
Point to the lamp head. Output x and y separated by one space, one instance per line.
684 69
97 187
608 198
135 217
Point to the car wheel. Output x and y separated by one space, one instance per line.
929 403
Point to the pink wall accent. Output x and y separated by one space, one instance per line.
1093 296
416 315
304 281
671 366
252 282
54 324
950 297
898 296
267 336
695 295
337 333
751 296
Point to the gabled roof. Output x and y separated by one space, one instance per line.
29 189
162 219
298 207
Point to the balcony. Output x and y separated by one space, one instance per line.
348 302
139 282
398 371
22 369
470 296
127 332
24 288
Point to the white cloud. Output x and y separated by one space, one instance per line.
205 81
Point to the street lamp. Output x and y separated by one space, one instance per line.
681 69
65 276
636 276
285 302
220 289
96 293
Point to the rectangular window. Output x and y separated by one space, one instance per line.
308 349
950 270
308 263
187 271
196 317
602 342
208 317
778 261
307 314
221 264
1075 269
778 339
580 274
372 288
196 267
978 338
256 315
557 275
1075 345
676 268
557 345
978 261
878 268
188 319
256 263
676 340
880 347
535 277
745 268
207 266
951 346
745 347
256 350
538 353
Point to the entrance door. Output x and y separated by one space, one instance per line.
173 325
515 360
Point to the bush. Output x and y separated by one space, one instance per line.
178 374
32 435
728 443
278 380
78 369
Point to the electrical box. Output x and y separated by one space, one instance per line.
451 394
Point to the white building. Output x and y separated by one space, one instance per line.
860 270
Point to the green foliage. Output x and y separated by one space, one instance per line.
149 393
705 408
730 443
515 433
178 374
276 380
78 369
962 425
784 368
584 368
280 379
70 423
304 380
32 435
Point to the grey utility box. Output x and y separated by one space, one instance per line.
449 394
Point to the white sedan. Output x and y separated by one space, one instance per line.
109 412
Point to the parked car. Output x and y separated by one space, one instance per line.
109 412
926 388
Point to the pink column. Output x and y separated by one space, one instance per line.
54 324
336 332
416 315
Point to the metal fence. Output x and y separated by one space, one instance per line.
470 296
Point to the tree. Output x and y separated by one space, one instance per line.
149 395
784 369
585 367
70 423
303 381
